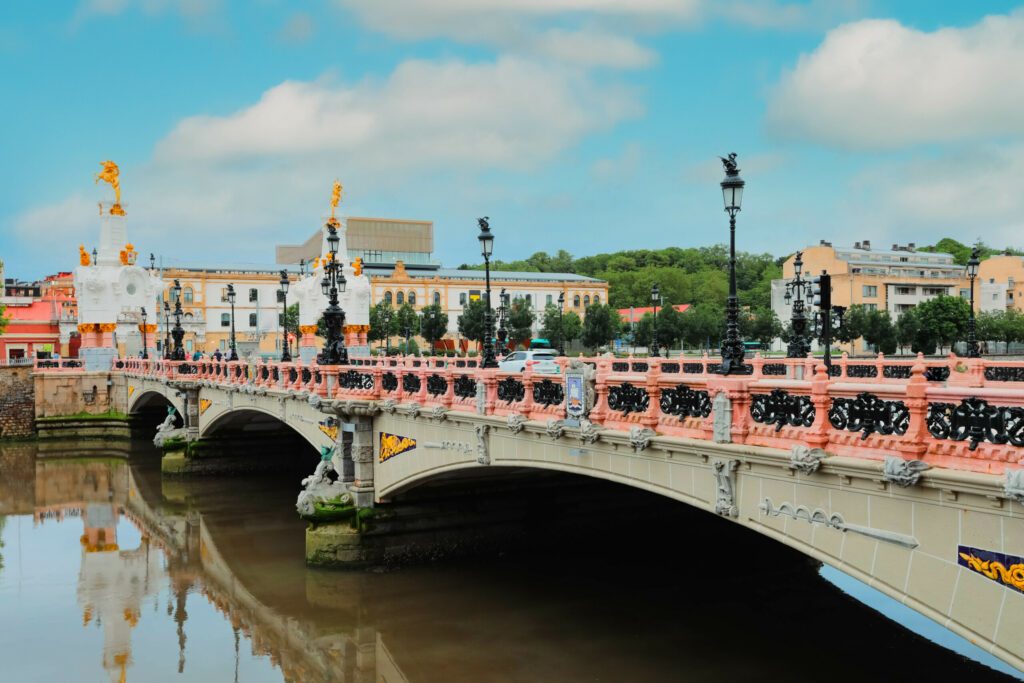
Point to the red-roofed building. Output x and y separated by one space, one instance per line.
633 315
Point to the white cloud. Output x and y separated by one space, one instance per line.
878 84
511 113
198 14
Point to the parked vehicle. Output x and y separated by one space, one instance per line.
538 360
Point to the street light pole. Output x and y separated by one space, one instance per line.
167 331
231 300
331 285
286 357
732 348
503 312
145 354
972 325
655 299
561 327
796 291
178 333
486 248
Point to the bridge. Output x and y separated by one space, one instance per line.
903 473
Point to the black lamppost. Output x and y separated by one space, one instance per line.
732 346
286 357
972 325
655 299
331 285
797 290
167 331
231 300
486 248
561 328
503 311
178 333
152 261
145 354
385 316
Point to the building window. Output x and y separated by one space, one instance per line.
254 294
576 301
188 346
995 296
387 298
224 294
906 291
188 295
437 298
870 291
400 298
462 298
597 299
934 291
871 307
280 319
965 293
223 345
225 319
586 301
252 320
549 299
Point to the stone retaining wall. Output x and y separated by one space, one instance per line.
17 402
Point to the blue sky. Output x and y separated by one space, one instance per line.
588 125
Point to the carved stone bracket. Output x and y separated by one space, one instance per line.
722 421
902 472
1014 486
515 423
437 413
555 428
483 455
314 401
413 409
725 484
389 406
640 437
806 460
481 397
589 432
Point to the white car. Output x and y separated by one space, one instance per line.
538 360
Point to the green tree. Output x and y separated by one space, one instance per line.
471 322
434 324
600 326
702 325
908 332
406 321
760 325
943 320
879 331
3 318
571 326
291 319
382 322
520 321
670 326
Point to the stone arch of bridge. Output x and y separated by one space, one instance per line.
951 596
254 421
143 400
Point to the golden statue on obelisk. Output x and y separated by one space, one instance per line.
110 174
335 199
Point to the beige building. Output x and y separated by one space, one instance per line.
893 280
1000 283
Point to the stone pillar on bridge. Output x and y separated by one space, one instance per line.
362 461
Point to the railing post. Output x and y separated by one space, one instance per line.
527 405
600 409
818 432
653 412
913 441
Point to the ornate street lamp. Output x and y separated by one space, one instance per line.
972 324
231 300
178 333
167 331
286 357
94 256
561 328
333 283
797 290
503 311
732 346
655 299
486 248
152 261
145 354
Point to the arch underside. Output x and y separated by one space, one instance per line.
258 426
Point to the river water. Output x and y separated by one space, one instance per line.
110 573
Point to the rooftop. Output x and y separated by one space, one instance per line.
499 275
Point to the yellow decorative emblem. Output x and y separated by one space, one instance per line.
392 445
358 266
110 174
1004 569
329 430
204 403
335 199
307 329
131 390
83 255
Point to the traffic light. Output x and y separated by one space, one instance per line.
822 291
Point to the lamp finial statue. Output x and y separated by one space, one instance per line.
110 174
484 222
730 164
335 198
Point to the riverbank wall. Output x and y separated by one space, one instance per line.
17 403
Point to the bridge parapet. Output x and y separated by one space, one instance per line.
957 413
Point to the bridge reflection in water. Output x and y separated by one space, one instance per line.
159 560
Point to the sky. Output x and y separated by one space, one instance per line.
585 125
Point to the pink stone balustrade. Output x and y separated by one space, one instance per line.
673 397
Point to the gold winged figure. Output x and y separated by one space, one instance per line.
110 174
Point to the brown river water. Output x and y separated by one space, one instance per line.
110 573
